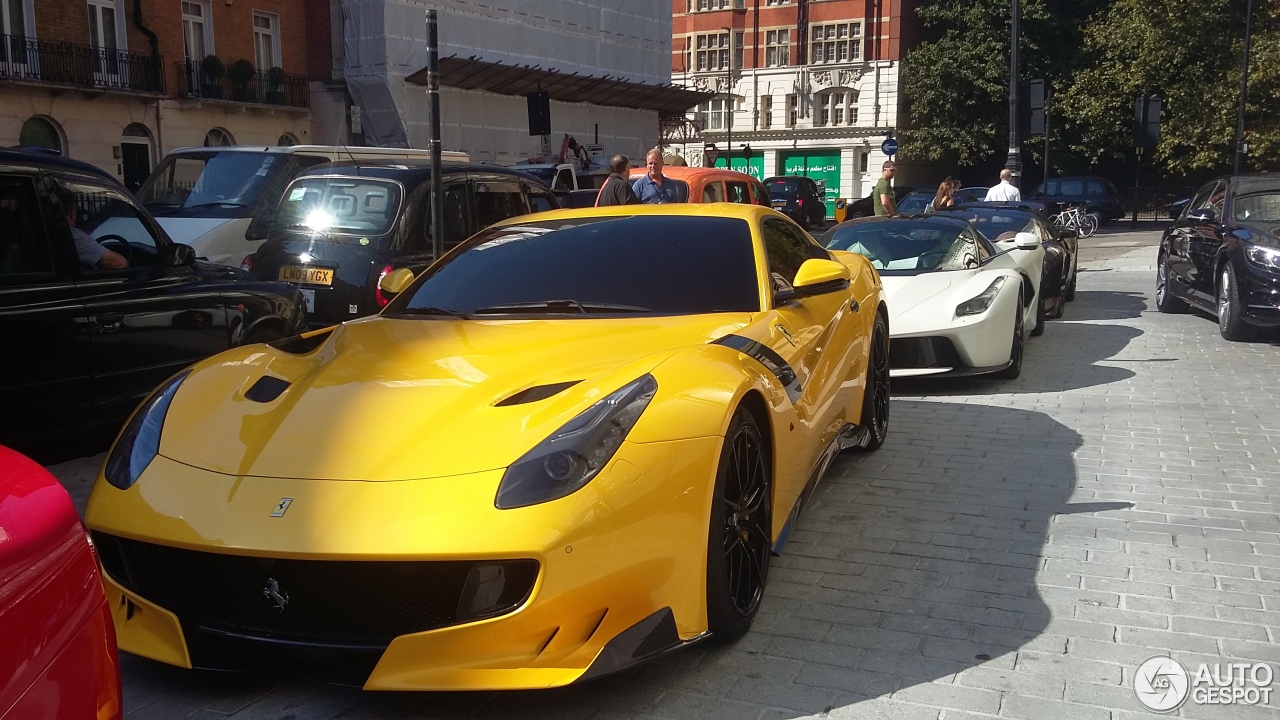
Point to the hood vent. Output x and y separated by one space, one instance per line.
267 389
301 345
536 393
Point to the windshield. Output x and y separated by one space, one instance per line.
914 203
583 267
348 205
1000 225
210 179
909 247
1257 201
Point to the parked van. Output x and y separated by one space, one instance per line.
207 197
341 227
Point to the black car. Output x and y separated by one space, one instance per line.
1222 255
919 201
798 198
84 345
998 221
1097 195
341 227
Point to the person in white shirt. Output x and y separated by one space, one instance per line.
1005 191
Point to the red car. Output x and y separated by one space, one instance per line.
58 656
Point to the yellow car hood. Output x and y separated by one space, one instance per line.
399 399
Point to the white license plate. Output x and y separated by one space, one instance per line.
309 298
779 203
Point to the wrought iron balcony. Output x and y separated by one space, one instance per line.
82 66
264 88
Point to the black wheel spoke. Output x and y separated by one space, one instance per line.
746 532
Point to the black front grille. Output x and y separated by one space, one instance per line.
326 602
923 352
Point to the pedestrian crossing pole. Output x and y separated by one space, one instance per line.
433 135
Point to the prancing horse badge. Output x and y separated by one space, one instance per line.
281 507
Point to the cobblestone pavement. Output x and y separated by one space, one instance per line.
1015 550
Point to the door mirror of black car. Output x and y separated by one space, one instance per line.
1202 216
181 255
1066 234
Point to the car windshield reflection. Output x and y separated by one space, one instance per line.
910 247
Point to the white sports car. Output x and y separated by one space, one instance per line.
958 303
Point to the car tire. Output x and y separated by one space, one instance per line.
1165 301
1230 309
1015 352
875 397
739 543
1038 330
1070 293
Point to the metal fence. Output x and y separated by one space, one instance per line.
1152 203
263 88
61 63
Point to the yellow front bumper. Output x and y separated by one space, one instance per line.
626 546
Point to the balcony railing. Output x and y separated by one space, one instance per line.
61 63
284 89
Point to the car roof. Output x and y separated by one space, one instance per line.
49 161
408 172
685 172
721 209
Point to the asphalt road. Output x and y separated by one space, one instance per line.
1015 550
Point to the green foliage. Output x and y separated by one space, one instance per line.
212 67
241 72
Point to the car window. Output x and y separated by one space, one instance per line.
111 220
649 264
785 186
24 247
738 192
910 247
1095 189
539 199
785 250
343 205
564 180
210 178
454 214
713 192
1201 199
496 199
761 195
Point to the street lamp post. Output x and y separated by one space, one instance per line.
1014 161
1244 89
728 109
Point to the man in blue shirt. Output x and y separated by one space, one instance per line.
653 188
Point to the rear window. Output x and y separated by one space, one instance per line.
357 206
651 264
784 186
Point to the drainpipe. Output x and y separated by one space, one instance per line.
154 41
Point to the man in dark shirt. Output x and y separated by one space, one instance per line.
616 190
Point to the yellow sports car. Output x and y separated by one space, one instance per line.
569 445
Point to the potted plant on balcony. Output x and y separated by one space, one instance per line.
241 74
211 72
275 85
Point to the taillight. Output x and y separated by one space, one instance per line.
247 263
799 202
377 287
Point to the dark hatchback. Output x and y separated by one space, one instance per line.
798 198
84 345
341 227
1097 195
1223 255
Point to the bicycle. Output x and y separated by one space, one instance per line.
1074 217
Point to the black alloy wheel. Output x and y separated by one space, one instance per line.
1038 330
1165 301
1015 352
1069 293
1230 309
875 401
739 540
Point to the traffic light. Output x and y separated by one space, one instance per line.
1032 114
539 112
1146 121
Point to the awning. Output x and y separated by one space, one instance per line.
503 79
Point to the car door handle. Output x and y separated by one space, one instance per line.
110 322
854 306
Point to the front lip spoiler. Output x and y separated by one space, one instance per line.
653 636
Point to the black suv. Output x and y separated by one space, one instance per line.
1097 194
341 227
85 343
798 198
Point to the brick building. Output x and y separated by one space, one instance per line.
806 87
119 83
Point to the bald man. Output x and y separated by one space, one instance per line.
1005 191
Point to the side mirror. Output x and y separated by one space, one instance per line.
395 282
816 277
1066 234
1203 216
1026 241
180 255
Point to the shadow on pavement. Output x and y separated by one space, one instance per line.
910 565
1105 305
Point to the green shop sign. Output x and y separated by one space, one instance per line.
753 166
821 165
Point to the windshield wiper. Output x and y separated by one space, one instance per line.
219 203
427 311
558 305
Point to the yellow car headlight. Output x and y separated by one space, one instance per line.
577 452
139 443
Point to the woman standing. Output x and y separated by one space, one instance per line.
943 198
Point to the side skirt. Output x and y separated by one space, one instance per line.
849 436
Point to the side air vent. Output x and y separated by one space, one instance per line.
536 393
266 389
302 344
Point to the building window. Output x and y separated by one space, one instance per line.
720 4
778 2
266 40
106 37
791 110
737 50
712 114
713 52
837 108
837 43
777 51
766 111
41 132
218 137
197 30
17 18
